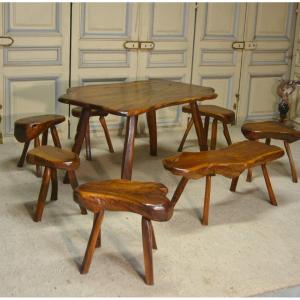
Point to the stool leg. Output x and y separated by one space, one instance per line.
179 190
54 184
188 128
291 160
234 183
42 195
249 175
98 217
206 200
45 137
214 130
154 245
268 141
147 246
206 126
74 184
38 168
87 139
268 184
106 132
226 134
98 242
55 136
23 155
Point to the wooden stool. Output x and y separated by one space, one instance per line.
94 113
218 113
273 130
229 162
53 158
147 199
30 128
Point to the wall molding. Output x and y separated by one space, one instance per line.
44 32
8 126
56 62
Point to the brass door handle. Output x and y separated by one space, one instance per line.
131 45
147 45
6 41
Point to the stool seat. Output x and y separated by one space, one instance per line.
28 128
288 132
270 129
229 162
53 157
145 198
217 113
76 112
222 114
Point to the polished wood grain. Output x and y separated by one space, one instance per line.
229 162
217 113
76 112
288 132
272 130
27 129
147 199
136 97
53 158
131 99
222 114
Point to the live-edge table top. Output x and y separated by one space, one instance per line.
136 97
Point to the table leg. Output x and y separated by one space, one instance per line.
128 151
80 133
202 140
151 120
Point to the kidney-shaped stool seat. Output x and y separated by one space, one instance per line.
285 131
147 199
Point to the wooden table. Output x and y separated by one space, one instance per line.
132 99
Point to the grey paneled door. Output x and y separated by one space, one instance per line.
271 27
245 78
295 73
34 70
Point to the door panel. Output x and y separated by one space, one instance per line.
270 61
295 74
216 64
34 70
99 31
171 27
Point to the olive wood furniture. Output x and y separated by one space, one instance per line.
217 113
268 130
27 129
76 112
53 158
131 99
147 199
229 162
